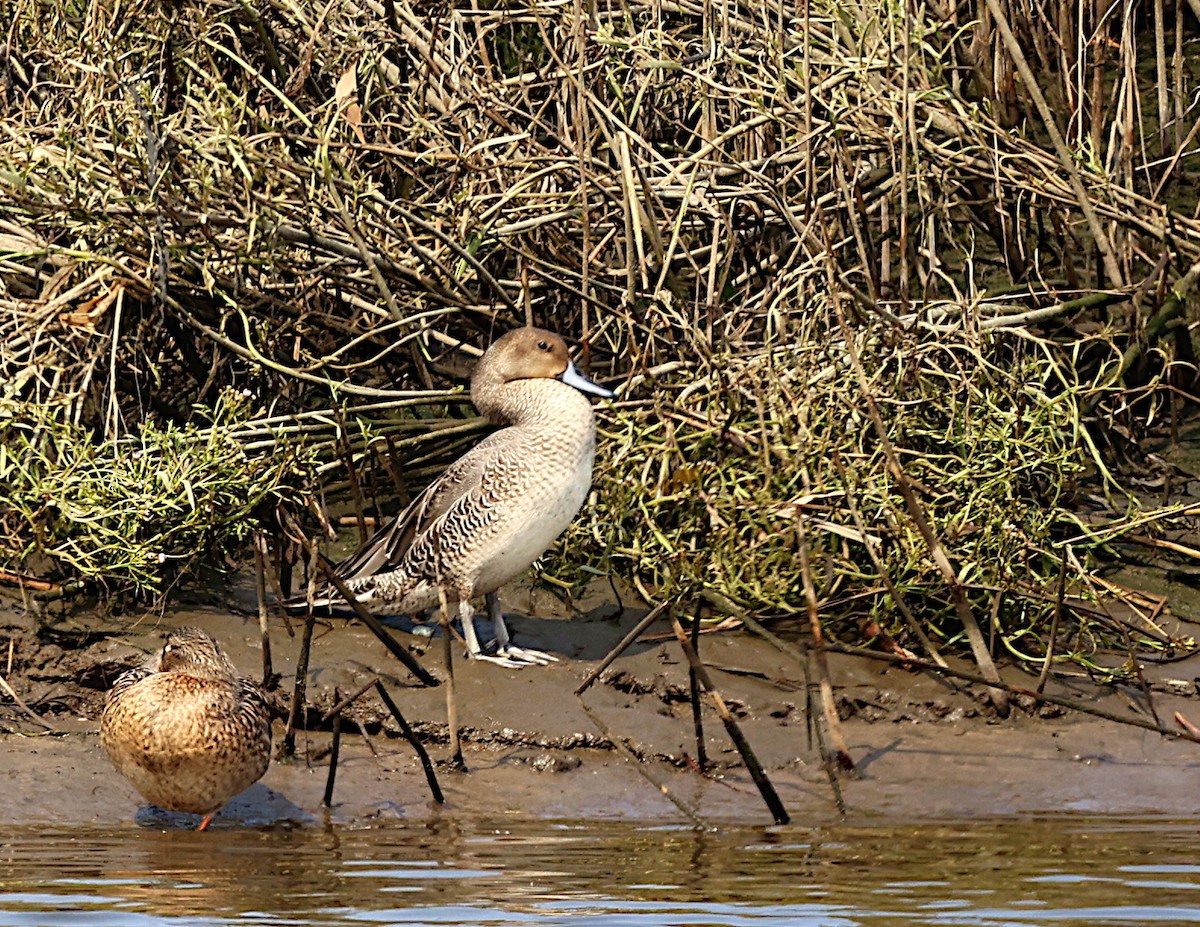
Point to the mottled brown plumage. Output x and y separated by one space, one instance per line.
499 506
185 729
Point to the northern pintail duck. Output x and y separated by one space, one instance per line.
185 729
498 507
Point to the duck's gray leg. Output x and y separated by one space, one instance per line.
466 614
504 645
499 628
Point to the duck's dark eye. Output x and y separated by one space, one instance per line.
544 345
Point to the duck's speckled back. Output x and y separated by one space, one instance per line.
184 729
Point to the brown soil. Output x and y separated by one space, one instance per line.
924 747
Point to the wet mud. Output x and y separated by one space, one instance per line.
925 747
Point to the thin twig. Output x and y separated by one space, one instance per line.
642 768
757 773
20 703
296 710
1048 662
833 723
260 589
800 655
637 631
349 700
435 790
694 690
376 628
335 746
456 753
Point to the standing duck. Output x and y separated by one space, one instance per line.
498 507
185 729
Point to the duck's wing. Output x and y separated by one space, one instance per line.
125 681
385 550
253 718
131 677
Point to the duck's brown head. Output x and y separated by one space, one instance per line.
525 354
195 652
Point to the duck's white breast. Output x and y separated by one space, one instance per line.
551 502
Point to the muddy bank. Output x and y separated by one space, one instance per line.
924 746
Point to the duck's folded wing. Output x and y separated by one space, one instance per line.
385 550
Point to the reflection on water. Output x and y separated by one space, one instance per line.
1050 870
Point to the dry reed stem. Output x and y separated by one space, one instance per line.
456 754
643 769
761 781
335 749
435 790
260 589
840 756
374 625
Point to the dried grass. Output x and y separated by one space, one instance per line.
329 205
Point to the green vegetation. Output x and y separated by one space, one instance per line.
718 483
141 511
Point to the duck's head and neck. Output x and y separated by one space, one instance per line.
525 373
195 653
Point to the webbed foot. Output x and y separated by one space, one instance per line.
527 657
514 657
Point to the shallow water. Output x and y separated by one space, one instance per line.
1051 870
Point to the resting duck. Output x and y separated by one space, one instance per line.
185 729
